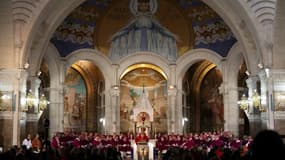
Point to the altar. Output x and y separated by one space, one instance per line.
143 116
143 150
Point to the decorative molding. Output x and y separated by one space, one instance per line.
33 117
264 11
279 115
6 115
23 10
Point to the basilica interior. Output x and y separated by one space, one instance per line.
165 66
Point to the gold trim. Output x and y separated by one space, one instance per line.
143 65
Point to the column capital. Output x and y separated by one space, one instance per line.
252 79
172 92
114 92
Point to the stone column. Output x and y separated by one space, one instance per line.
174 115
56 110
253 117
34 87
115 117
179 114
173 121
112 112
231 108
252 86
56 106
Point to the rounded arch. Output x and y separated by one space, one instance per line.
234 60
279 36
244 27
53 65
99 59
143 65
47 22
193 56
144 57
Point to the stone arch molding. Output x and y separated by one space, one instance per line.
52 19
98 59
144 57
193 56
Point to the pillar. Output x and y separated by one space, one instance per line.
34 87
231 108
253 113
112 115
56 106
115 117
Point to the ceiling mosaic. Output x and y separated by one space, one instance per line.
92 24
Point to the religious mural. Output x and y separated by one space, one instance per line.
211 101
98 24
134 86
74 101
143 33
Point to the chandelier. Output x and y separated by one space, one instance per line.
43 102
243 103
256 101
30 101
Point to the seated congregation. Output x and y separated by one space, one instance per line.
206 145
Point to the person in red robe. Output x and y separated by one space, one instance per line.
141 137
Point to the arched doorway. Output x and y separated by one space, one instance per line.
83 98
143 86
202 103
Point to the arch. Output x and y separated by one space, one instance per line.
193 56
244 27
45 23
62 10
279 36
144 57
97 58
231 108
56 89
233 63
143 65
53 65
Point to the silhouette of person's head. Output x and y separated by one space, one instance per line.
268 144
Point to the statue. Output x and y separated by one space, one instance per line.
143 33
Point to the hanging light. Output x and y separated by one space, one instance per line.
256 101
43 102
255 98
30 101
243 103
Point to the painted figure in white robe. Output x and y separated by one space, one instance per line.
143 33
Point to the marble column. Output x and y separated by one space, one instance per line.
56 110
34 88
115 117
253 113
179 115
174 115
56 106
172 112
231 108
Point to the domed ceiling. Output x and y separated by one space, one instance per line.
92 24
